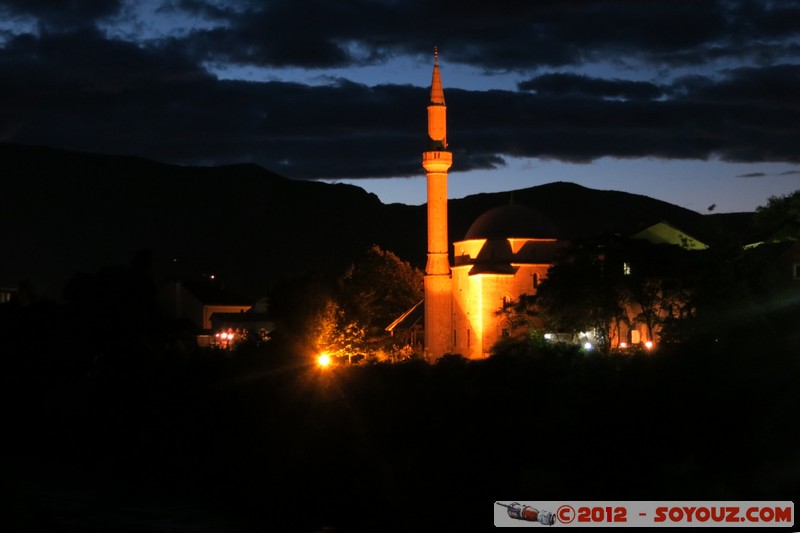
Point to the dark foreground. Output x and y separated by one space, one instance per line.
257 442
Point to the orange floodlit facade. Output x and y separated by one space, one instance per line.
436 161
505 254
489 275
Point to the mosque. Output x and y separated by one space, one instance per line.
506 253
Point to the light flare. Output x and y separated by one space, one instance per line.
324 360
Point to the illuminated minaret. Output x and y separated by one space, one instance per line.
437 160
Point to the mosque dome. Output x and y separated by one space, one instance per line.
512 221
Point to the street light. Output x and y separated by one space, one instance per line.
324 360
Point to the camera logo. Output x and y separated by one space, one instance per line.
528 513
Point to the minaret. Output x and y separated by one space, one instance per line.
437 160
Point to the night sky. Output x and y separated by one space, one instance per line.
692 102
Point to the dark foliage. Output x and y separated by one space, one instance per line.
779 219
379 287
259 438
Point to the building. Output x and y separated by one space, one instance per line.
7 294
254 324
437 281
788 263
197 302
505 253
665 233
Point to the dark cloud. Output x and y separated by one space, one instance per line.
207 10
283 33
775 85
502 35
56 14
119 98
701 118
81 89
576 85
752 175
763 174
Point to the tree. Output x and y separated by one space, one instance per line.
378 288
522 313
581 294
334 334
339 314
656 281
780 217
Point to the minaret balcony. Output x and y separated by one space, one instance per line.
439 161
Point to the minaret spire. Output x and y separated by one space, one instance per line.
437 93
437 161
437 110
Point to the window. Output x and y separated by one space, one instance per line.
796 270
626 269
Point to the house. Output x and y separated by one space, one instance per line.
407 329
788 262
665 233
229 328
197 302
7 294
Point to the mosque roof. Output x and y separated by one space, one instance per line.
512 220
410 318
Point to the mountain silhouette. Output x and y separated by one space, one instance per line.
65 212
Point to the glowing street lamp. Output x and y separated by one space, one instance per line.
324 360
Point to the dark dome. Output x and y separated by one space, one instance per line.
512 220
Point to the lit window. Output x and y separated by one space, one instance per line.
626 268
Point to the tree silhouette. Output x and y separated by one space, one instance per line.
780 217
379 287
580 293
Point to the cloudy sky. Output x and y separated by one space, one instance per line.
692 102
